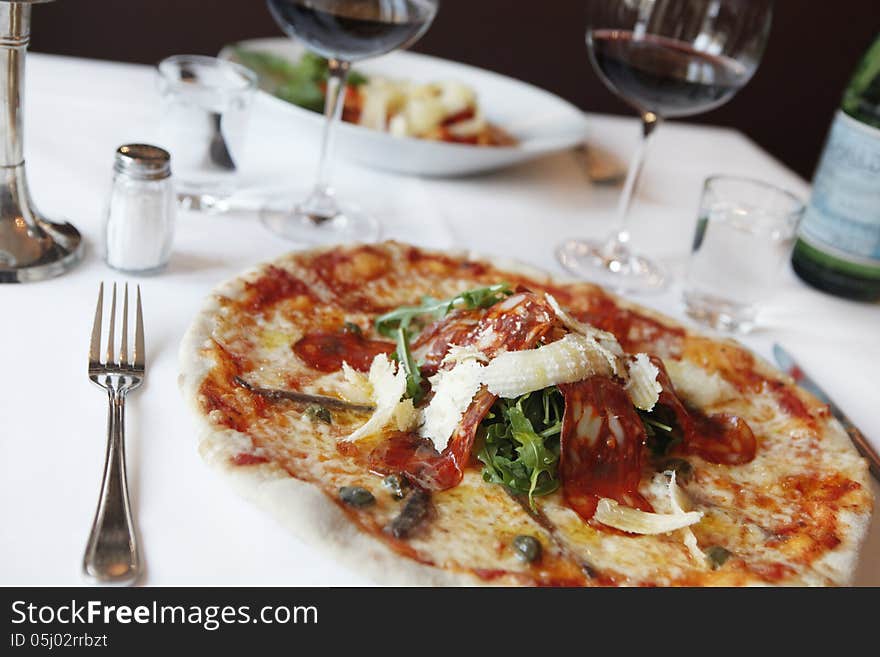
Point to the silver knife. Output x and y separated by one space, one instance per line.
788 364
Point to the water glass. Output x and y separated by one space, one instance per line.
205 107
745 232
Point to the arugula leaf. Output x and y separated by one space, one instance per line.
520 439
481 297
663 432
405 358
536 459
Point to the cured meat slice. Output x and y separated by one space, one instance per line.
517 322
719 438
601 446
432 344
418 459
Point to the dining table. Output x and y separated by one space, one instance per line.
193 528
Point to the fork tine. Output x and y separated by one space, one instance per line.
110 335
123 348
95 344
139 334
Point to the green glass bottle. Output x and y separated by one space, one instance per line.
838 249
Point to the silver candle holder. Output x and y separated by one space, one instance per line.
32 247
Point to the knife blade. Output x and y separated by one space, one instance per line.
790 366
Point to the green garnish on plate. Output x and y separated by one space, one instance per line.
301 83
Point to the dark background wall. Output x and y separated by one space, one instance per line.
786 108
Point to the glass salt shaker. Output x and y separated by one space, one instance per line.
140 217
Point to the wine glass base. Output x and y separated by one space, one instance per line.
334 222
617 269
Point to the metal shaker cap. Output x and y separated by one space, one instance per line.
143 162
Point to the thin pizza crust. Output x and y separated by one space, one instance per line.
311 515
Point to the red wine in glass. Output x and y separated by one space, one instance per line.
665 76
666 58
343 31
353 30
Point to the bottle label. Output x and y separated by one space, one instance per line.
843 218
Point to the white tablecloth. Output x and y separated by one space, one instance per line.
193 528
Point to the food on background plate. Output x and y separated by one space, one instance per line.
439 111
428 418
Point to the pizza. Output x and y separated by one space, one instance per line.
435 418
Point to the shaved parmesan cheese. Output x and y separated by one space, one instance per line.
355 386
460 353
572 358
405 416
388 388
607 344
453 391
610 513
643 388
679 502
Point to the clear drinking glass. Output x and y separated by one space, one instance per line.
665 58
745 232
205 107
343 31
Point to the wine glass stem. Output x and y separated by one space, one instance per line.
336 87
619 239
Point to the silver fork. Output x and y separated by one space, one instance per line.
112 554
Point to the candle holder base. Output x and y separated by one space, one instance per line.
32 247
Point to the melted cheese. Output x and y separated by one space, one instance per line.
679 503
697 386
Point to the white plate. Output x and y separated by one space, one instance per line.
541 122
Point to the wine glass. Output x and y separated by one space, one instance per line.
343 31
665 58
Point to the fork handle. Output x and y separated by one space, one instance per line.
112 555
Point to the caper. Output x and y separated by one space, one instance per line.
416 510
716 556
351 327
356 496
318 413
396 485
527 548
